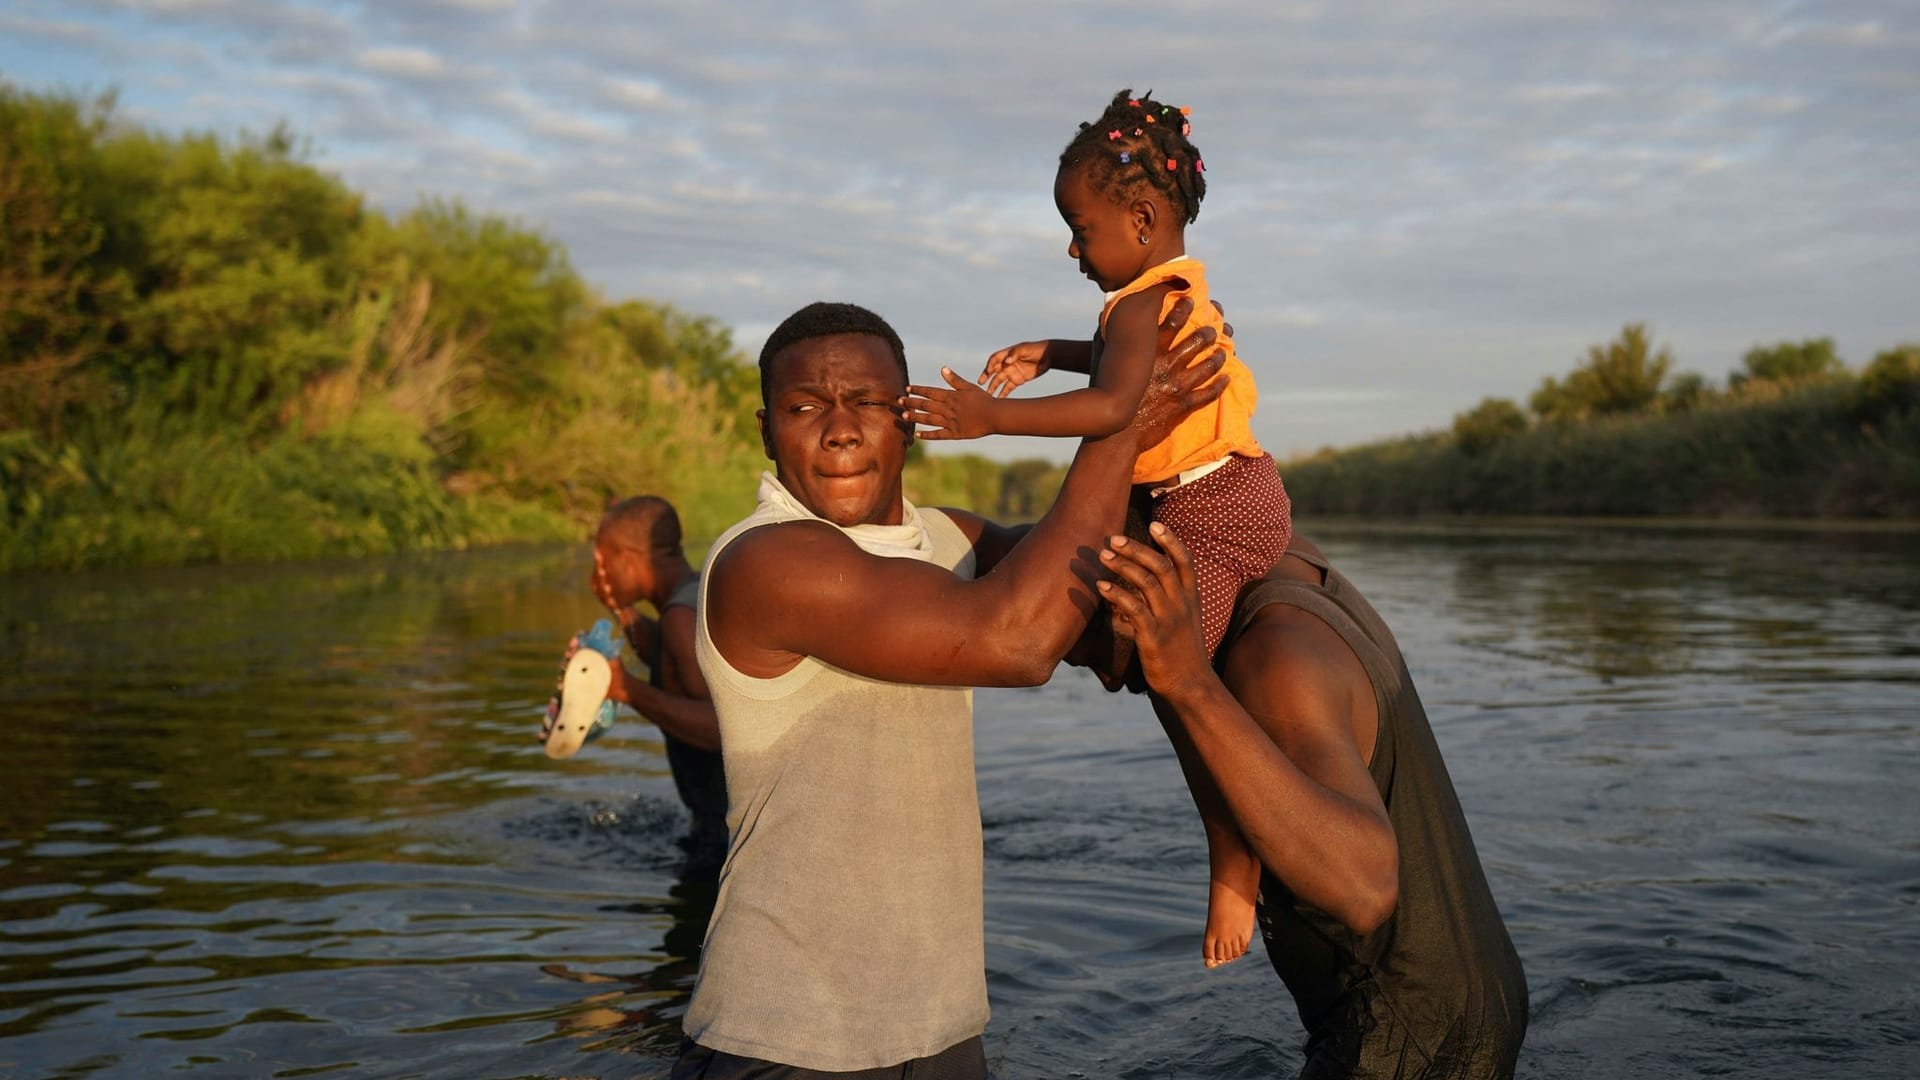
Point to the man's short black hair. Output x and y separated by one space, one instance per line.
645 523
822 319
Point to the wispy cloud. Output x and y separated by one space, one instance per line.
1420 203
407 62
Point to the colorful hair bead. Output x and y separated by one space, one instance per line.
1172 164
1184 111
1114 134
1135 102
1185 130
1199 166
1125 157
1149 118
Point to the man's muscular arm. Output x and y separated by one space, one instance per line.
796 589
1278 738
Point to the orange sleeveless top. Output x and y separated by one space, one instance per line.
1224 426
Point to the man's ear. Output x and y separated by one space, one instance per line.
766 437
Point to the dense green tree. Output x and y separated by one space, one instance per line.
211 349
508 290
694 348
1620 376
1788 362
245 255
1684 393
1487 423
58 303
1892 380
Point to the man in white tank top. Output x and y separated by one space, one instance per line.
839 630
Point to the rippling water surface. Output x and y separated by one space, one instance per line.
291 821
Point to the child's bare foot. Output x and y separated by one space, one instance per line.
1229 925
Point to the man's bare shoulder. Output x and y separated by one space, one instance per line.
768 585
775 552
1292 661
770 568
792 566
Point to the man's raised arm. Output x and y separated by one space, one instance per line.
796 589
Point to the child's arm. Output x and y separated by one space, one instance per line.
1022 363
1070 354
967 412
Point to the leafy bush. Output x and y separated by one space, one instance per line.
1620 376
1892 381
1480 427
214 351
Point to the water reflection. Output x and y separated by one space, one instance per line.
285 820
641 1009
1638 602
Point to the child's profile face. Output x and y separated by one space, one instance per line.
1104 234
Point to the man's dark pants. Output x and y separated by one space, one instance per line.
961 1061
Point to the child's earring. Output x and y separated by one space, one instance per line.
1145 239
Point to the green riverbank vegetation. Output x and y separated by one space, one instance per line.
211 350
1793 432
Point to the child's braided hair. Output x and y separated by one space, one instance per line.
1140 141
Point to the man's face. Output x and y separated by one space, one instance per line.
629 573
1108 653
831 431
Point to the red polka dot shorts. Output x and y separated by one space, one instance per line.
1237 521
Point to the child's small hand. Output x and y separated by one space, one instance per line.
964 412
1014 365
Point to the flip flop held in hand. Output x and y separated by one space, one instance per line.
580 711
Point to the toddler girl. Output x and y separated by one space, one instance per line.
1127 186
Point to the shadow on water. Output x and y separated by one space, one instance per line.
291 821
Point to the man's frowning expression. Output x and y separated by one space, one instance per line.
830 427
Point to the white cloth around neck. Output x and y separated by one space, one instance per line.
907 540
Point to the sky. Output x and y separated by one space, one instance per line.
1410 206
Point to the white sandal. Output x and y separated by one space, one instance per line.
581 712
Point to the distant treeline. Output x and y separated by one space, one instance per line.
211 350
1793 432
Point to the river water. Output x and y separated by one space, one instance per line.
292 821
